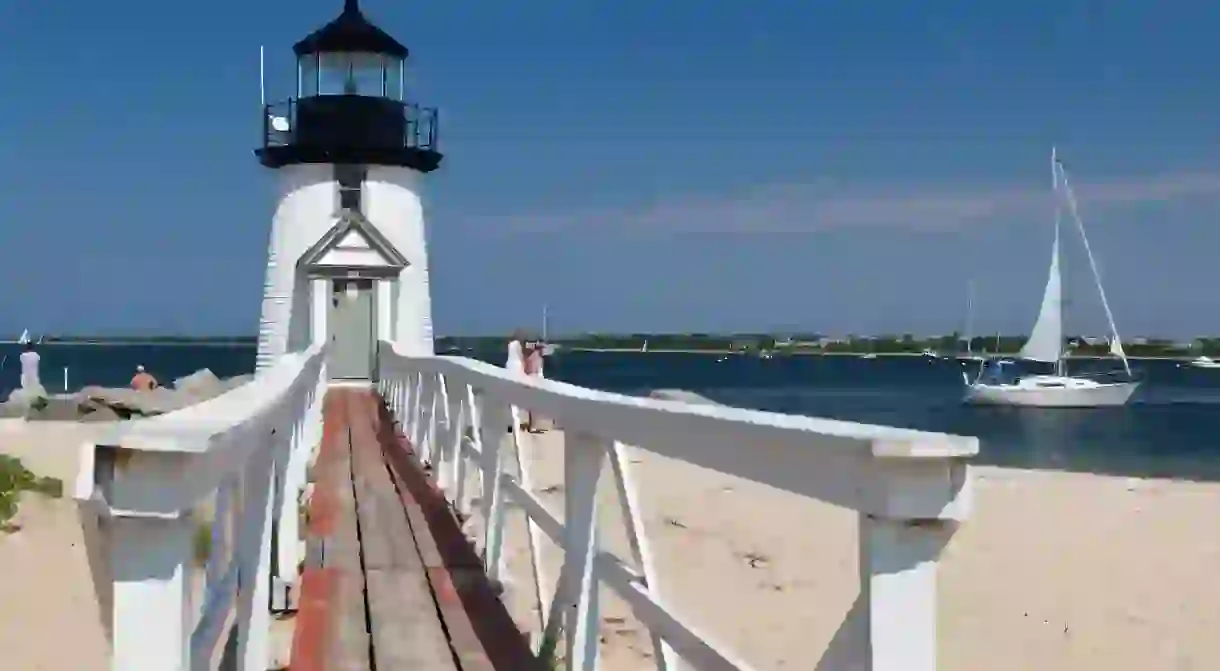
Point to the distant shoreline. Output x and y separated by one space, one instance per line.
783 353
138 343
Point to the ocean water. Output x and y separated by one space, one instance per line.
1171 430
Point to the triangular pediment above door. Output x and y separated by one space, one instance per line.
352 243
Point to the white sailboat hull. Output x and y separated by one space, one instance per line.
1052 391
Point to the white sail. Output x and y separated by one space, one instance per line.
1046 339
25 337
1116 348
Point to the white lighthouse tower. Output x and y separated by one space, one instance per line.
347 262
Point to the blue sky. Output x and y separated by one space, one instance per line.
833 166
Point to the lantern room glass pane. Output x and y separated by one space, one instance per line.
307 70
353 74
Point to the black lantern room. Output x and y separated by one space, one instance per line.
351 106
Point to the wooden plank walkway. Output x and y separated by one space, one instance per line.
390 582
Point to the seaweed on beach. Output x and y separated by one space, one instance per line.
15 478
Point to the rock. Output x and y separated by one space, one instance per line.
129 402
97 413
108 404
202 384
58 408
22 401
236 381
680 395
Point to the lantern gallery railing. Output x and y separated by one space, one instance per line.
350 122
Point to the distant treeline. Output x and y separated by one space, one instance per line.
153 340
810 343
816 343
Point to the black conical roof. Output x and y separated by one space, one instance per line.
351 32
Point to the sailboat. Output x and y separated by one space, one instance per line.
970 354
998 385
547 348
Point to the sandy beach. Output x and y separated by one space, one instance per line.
52 618
1053 571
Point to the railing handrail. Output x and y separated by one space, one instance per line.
561 400
201 435
192 429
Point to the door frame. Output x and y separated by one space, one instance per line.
322 285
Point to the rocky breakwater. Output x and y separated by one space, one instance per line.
107 404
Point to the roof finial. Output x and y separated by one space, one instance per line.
351 6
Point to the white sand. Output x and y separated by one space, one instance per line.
51 618
1053 571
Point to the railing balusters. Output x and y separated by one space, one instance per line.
583 456
534 535
417 409
457 432
909 488
491 499
244 453
641 552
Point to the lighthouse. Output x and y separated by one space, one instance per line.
347 261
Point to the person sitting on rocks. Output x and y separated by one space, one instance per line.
143 381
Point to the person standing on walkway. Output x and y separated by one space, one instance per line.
30 379
533 368
515 363
516 353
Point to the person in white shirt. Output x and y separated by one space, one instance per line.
516 358
30 380
533 368
516 353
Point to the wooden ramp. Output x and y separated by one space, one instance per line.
390 582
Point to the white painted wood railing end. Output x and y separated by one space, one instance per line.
189 504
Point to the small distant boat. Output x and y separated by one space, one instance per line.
1203 362
547 348
930 353
870 355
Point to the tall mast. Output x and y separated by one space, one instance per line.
544 320
969 316
1116 345
1060 363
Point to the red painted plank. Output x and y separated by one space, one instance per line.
312 624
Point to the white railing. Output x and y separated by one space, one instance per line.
910 489
190 504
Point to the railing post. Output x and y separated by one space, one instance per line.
427 420
915 507
491 501
457 429
459 466
149 559
287 526
440 416
583 456
641 550
417 409
403 395
254 553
